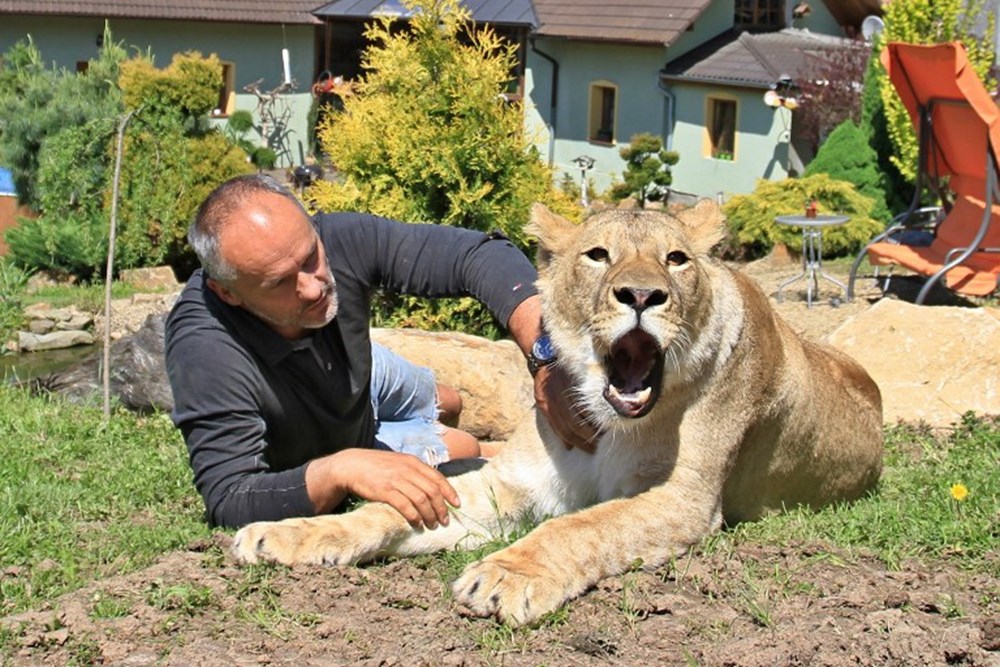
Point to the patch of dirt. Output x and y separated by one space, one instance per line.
754 606
749 606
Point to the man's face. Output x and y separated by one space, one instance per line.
283 276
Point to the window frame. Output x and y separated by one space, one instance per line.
768 14
715 149
596 95
227 91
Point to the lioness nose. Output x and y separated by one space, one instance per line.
640 298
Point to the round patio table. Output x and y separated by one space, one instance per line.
812 251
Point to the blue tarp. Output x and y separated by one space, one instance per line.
6 182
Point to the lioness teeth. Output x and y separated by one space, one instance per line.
634 397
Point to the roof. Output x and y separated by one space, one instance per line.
752 60
640 21
507 12
241 11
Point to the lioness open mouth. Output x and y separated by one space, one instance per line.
634 369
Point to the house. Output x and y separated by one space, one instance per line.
250 37
591 72
601 71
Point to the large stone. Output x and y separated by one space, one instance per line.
29 342
150 279
932 364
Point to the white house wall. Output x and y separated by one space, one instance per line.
254 49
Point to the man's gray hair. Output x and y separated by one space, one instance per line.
217 211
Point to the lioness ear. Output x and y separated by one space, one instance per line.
553 232
705 225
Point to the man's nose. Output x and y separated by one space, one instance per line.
312 285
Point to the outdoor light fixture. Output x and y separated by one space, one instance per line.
585 163
780 94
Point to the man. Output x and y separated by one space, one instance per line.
269 356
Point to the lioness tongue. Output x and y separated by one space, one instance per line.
631 369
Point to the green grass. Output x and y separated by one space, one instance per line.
913 513
81 499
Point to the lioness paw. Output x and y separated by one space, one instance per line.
295 542
515 592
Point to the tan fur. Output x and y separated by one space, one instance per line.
750 418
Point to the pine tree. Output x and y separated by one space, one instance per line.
647 169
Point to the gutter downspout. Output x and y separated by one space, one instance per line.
554 101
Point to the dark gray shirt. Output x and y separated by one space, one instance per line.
255 408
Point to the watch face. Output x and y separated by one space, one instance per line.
542 350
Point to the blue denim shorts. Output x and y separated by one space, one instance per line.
404 396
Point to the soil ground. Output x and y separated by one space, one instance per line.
747 606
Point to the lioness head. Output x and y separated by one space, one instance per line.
625 295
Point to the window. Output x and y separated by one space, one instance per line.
603 109
760 14
722 128
227 91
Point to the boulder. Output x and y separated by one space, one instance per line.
30 342
932 363
150 279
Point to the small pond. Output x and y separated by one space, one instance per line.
33 364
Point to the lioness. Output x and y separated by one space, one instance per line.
712 409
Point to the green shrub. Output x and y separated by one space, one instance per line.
753 231
185 92
13 280
647 169
847 156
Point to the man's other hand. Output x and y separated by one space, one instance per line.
553 398
414 489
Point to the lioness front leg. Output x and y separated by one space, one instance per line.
567 555
333 539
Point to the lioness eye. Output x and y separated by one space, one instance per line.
676 258
597 254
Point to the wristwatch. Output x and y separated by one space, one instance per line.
542 354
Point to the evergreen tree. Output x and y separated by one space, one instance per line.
846 155
647 169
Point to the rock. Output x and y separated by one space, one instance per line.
41 326
150 279
78 322
37 311
491 376
29 342
932 363
138 373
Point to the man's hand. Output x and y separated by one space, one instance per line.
416 490
554 400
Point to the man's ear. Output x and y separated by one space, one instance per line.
223 292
